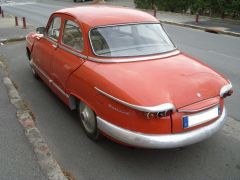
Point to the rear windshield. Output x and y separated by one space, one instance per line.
130 40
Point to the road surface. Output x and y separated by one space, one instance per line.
215 158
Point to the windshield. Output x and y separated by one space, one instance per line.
130 40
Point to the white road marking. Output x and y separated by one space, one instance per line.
222 54
12 3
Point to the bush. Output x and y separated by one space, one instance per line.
143 4
230 8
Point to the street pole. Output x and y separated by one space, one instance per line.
16 21
154 8
24 23
197 18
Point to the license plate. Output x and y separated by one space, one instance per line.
200 118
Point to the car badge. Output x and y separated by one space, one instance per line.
199 95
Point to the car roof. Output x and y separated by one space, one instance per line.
100 15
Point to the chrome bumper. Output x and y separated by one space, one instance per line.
161 141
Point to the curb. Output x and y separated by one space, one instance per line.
20 38
213 30
48 164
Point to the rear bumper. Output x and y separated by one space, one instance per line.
161 141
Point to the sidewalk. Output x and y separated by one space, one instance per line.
204 22
17 159
8 30
24 154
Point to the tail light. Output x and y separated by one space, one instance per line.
226 90
160 114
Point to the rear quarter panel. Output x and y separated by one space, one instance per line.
82 85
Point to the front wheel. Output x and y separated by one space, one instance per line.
88 120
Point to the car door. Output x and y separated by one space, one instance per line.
46 46
69 54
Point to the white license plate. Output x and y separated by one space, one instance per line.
200 118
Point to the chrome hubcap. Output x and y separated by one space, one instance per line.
87 117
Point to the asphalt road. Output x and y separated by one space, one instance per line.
215 158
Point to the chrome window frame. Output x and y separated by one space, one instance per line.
125 24
69 47
49 37
134 59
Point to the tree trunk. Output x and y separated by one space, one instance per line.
223 15
98 1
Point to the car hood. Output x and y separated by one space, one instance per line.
179 80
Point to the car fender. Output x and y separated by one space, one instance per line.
30 41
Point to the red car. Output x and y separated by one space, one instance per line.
118 68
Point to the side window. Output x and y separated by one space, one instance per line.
54 28
72 35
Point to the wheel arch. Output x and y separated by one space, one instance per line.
28 52
74 99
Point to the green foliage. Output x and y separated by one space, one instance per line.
231 8
143 4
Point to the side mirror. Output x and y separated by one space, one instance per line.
40 30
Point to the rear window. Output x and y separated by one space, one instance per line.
130 40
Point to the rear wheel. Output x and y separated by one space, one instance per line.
88 120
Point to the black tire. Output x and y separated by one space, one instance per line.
88 121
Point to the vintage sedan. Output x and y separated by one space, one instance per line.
118 68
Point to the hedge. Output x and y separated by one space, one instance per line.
229 8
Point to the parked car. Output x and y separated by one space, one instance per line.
79 1
118 68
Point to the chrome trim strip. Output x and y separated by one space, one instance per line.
196 110
225 89
59 89
50 80
161 141
133 59
159 108
72 52
50 40
40 70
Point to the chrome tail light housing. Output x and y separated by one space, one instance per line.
226 90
